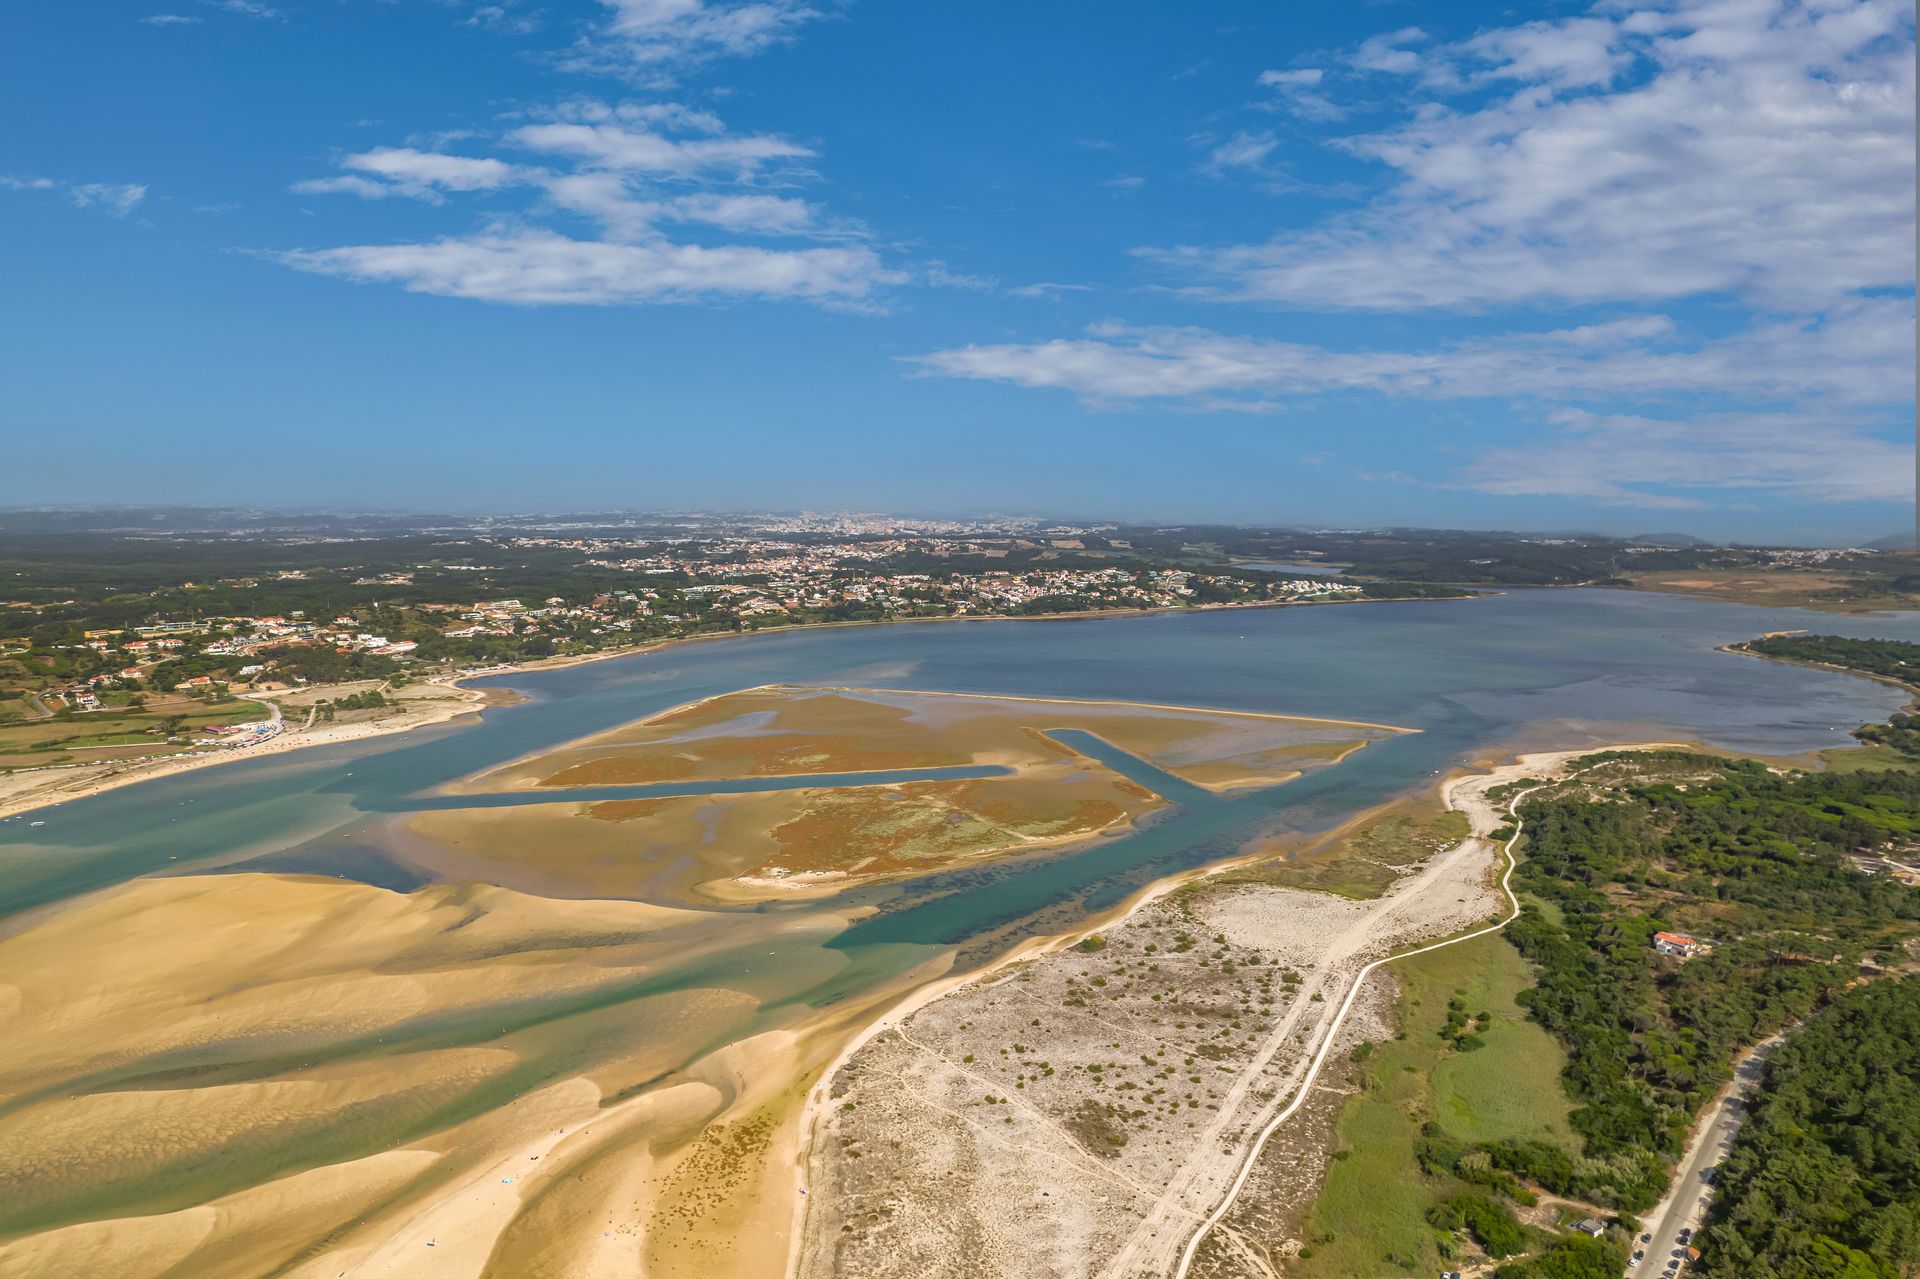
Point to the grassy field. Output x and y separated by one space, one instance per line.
1370 1219
99 736
1867 759
1367 862
1827 590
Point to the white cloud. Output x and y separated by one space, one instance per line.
504 20
1761 149
1757 154
540 267
353 184
755 214
636 171
1306 77
246 9
614 147
1243 151
415 174
650 41
1298 91
1577 53
1047 290
1845 359
408 168
1387 52
1822 448
672 117
938 275
606 198
170 20
115 198
1625 460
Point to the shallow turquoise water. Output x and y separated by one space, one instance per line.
1559 668
1535 667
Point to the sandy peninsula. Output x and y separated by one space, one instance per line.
434 701
1100 1098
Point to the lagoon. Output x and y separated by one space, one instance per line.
1478 678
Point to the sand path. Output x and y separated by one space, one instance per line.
1465 794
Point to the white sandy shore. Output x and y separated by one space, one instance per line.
30 789
1449 895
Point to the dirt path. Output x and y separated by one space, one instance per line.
1470 796
936 1097
1152 1248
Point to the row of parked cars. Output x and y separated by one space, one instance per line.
1685 1253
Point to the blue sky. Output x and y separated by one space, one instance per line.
1635 266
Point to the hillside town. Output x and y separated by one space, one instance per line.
605 592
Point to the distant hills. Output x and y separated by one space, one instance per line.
1667 539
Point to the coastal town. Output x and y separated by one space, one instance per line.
283 638
608 593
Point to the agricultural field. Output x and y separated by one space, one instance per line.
1840 589
132 728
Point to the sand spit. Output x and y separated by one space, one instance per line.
26 791
1078 1113
433 702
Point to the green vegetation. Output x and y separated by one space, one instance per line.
164 725
1754 861
1849 580
1894 744
1588 1094
1824 1179
1571 1257
1894 660
1364 866
1889 659
1492 1225
1901 735
1420 1092
155 599
369 699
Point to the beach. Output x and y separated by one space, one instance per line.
455 1075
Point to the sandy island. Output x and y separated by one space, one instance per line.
28 789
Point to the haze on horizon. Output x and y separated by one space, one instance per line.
1631 267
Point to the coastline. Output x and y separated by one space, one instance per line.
1911 690
25 800
1461 790
28 800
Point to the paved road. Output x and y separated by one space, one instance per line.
1686 1204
